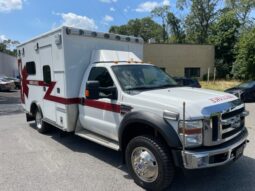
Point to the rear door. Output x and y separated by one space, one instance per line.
49 107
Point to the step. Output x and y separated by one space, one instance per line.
98 139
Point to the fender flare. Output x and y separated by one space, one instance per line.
156 122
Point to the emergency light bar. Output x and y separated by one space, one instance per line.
86 33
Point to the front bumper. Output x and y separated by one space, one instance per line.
211 157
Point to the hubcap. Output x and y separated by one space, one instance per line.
38 119
144 164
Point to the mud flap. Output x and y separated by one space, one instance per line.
30 117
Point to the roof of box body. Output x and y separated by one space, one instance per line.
87 33
115 56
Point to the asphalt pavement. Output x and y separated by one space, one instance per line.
10 102
59 161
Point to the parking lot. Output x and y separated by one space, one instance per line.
58 161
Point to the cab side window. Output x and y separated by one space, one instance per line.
102 75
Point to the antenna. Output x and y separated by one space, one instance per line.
183 134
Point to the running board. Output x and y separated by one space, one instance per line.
98 139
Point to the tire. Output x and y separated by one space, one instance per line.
41 126
157 159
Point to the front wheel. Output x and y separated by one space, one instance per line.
149 163
41 126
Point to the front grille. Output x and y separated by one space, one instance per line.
232 113
224 126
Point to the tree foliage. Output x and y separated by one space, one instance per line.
244 66
198 22
176 31
7 45
162 12
242 9
145 27
225 33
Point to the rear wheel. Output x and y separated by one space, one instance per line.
41 126
149 163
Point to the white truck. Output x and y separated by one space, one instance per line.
97 86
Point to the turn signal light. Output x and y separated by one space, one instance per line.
87 93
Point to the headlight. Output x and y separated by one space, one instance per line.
193 132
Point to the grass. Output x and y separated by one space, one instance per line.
219 85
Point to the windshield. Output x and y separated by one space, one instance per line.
247 84
142 77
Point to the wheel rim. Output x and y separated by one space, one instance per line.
38 119
144 164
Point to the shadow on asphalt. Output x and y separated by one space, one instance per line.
235 176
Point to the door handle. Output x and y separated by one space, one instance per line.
44 88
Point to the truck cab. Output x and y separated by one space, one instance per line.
98 87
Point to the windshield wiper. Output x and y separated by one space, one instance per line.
151 87
166 86
140 88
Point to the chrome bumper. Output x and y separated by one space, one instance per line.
212 158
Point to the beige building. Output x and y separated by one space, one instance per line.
181 59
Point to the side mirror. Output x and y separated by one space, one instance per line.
92 90
114 92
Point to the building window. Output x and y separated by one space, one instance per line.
192 72
30 66
46 74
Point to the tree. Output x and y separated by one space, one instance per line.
7 45
242 9
224 37
176 30
244 66
198 22
145 27
162 13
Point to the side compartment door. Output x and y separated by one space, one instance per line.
49 107
102 116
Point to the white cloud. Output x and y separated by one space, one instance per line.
126 9
9 5
74 20
148 6
112 9
108 18
2 38
108 1
166 2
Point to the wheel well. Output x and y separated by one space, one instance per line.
33 108
137 129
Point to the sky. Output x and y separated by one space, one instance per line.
24 19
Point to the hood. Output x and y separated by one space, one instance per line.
196 100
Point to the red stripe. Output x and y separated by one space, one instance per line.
48 96
102 105
67 101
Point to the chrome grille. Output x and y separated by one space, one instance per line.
224 126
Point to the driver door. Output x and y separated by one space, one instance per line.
102 116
